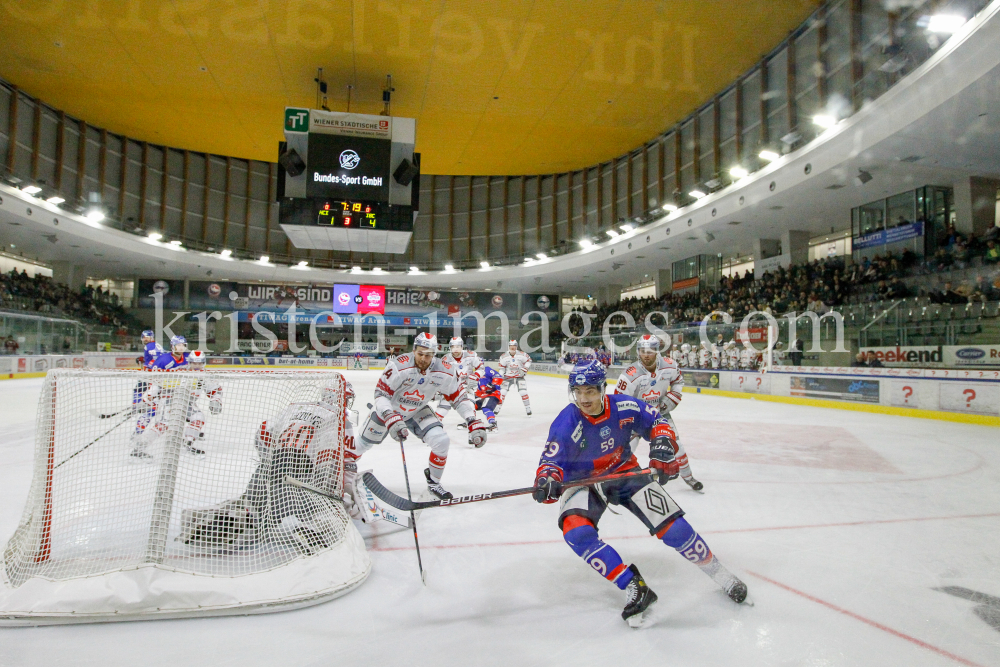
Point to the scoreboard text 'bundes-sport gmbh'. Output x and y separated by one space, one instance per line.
348 181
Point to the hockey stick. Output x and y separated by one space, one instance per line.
413 519
109 415
402 504
94 441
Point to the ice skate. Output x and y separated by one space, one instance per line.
435 488
694 484
640 597
140 454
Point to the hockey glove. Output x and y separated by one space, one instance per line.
662 454
397 429
548 485
215 406
477 433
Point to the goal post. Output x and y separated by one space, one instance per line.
177 509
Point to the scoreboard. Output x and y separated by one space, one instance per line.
348 181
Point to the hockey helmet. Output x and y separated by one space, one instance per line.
178 344
456 342
148 336
587 373
685 348
648 342
426 340
328 396
197 358
512 344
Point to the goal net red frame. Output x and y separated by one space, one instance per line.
160 495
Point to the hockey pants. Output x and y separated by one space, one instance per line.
424 424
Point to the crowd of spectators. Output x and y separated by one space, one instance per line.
821 285
42 295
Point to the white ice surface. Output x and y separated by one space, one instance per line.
842 524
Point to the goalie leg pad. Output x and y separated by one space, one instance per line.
373 432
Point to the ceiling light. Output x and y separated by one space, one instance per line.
697 194
586 244
612 233
947 23
738 172
542 255
303 264
31 189
56 199
670 208
484 265
376 269
95 215
414 269
627 228
449 267
264 259
824 121
155 236
770 156
175 243
355 269
226 254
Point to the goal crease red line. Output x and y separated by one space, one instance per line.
706 532
868 621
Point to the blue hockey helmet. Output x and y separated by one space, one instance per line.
178 342
148 333
589 372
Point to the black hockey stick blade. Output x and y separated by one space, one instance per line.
404 505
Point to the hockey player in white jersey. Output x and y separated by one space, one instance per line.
401 403
302 442
657 381
514 365
732 356
465 363
716 352
704 355
676 355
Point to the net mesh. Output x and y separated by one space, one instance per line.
181 471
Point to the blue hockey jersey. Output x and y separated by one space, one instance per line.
582 446
168 362
151 352
489 384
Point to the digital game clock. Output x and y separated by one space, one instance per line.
350 214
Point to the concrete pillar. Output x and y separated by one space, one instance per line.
187 293
764 248
66 272
975 204
796 245
664 282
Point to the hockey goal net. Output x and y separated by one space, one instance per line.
174 505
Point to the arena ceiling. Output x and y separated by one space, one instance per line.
497 87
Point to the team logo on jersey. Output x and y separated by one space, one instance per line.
628 405
413 397
420 381
605 432
650 396
630 371
622 423
577 432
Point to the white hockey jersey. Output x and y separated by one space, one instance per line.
733 356
403 388
703 356
692 359
309 427
716 356
677 356
514 366
662 388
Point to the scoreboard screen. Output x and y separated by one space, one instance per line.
350 214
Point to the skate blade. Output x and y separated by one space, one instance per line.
748 602
637 621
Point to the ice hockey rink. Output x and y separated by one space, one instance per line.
864 540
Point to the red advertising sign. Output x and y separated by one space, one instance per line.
372 299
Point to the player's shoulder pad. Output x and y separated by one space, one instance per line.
667 362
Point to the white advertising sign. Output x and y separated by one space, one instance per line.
753 383
904 394
974 397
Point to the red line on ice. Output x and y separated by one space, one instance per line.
868 621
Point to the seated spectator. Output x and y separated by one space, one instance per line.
897 290
992 255
946 295
10 345
984 291
873 361
860 359
960 254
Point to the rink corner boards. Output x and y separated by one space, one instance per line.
982 420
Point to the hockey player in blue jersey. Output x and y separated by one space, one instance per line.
488 395
146 403
177 358
151 350
592 437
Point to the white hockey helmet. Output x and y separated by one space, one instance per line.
178 344
512 343
685 348
456 342
328 396
648 342
425 339
198 359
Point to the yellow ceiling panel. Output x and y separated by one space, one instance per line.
508 86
